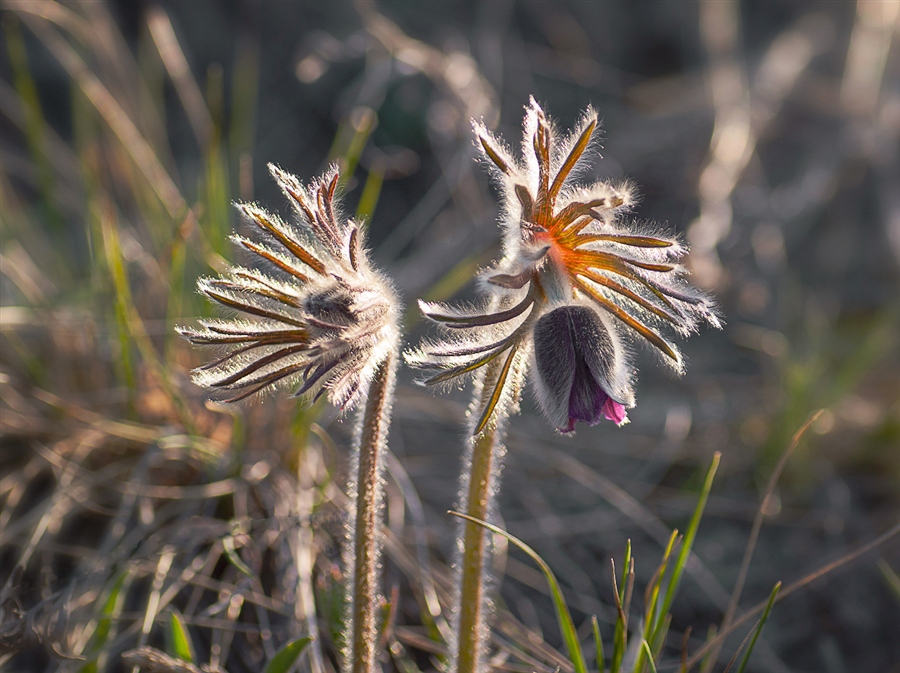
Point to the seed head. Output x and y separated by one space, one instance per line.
310 311
576 283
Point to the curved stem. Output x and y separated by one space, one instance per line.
365 534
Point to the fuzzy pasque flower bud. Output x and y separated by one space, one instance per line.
576 284
311 312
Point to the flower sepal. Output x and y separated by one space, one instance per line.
582 372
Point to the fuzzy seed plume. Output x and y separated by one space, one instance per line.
308 311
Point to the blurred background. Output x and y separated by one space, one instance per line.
766 134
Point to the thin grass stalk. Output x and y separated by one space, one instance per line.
620 635
598 644
716 638
175 62
302 547
122 125
760 626
563 614
657 627
34 126
365 535
754 536
131 325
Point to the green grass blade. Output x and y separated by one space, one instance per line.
620 635
759 627
120 123
234 557
370 193
351 138
662 633
711 635
653 590
891 578
623 583
175 302
688 541
564 617
123 304
287 656
216 186
130 325
34 118
450 283
645 648
112 608
653 630
216 221
178 638
656 613
598 643
244 101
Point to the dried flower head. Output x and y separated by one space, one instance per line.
574 286
309 312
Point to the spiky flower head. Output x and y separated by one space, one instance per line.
575 286
309 311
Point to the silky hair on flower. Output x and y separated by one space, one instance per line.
310 312
576 286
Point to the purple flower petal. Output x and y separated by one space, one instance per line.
586 398
572 353
614 411
556 362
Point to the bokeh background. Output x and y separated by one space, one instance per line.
767 134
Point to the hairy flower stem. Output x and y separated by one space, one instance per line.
483 482
471 631
365 535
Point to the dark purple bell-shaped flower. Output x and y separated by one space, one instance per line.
582 369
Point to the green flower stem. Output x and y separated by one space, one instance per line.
483 482
471 631
366 533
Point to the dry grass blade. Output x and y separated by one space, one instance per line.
176 64
754 534
123 126
826 569
151 660
122 151
630 507
564 617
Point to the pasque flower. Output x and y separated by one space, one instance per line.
575 287
310 312
581 375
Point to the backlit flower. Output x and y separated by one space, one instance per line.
310 312
575 285
580 370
